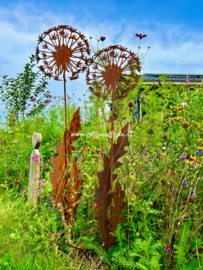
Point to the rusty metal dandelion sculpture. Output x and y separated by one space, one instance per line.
108 77
111 77
59 55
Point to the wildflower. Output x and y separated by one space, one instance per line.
63 217
165 137
140 36
191 200
79 99
59 204
183 104
1 185
159 82
198 152
54 97
144 100
33 99
102 38
98 149
84 150
69 101
130 104
131 177
51 200
186 182
53 235
185 125
86 118
95 206
47 143
191 192
171 172
82 172
22 191
151 130
80 159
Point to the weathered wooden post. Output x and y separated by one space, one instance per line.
34 169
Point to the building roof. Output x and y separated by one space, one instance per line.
175 78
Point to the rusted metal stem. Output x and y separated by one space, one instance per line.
64 80
112 116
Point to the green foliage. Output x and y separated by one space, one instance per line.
17 92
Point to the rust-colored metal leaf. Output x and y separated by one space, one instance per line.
117 212
58 177
102 196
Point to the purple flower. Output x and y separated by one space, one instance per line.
63 217
169 88
159 82
186 182
182 157
102 38
47 101
198 152
33 99
183 104
51 200
82 172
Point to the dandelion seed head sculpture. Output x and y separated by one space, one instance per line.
59 54
107 75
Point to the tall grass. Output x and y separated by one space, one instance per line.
161 175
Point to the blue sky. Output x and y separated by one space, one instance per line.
174 33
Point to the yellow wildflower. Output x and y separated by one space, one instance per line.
99 149
163 154
185 148
165 143
199 140
159 143
131 177
199 148
46 143
1 185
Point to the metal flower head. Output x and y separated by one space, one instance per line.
59 52
108 75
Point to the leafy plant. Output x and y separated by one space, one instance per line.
17 92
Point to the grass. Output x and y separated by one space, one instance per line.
164 190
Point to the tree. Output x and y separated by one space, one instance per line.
18 94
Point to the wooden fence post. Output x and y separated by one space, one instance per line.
34 169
